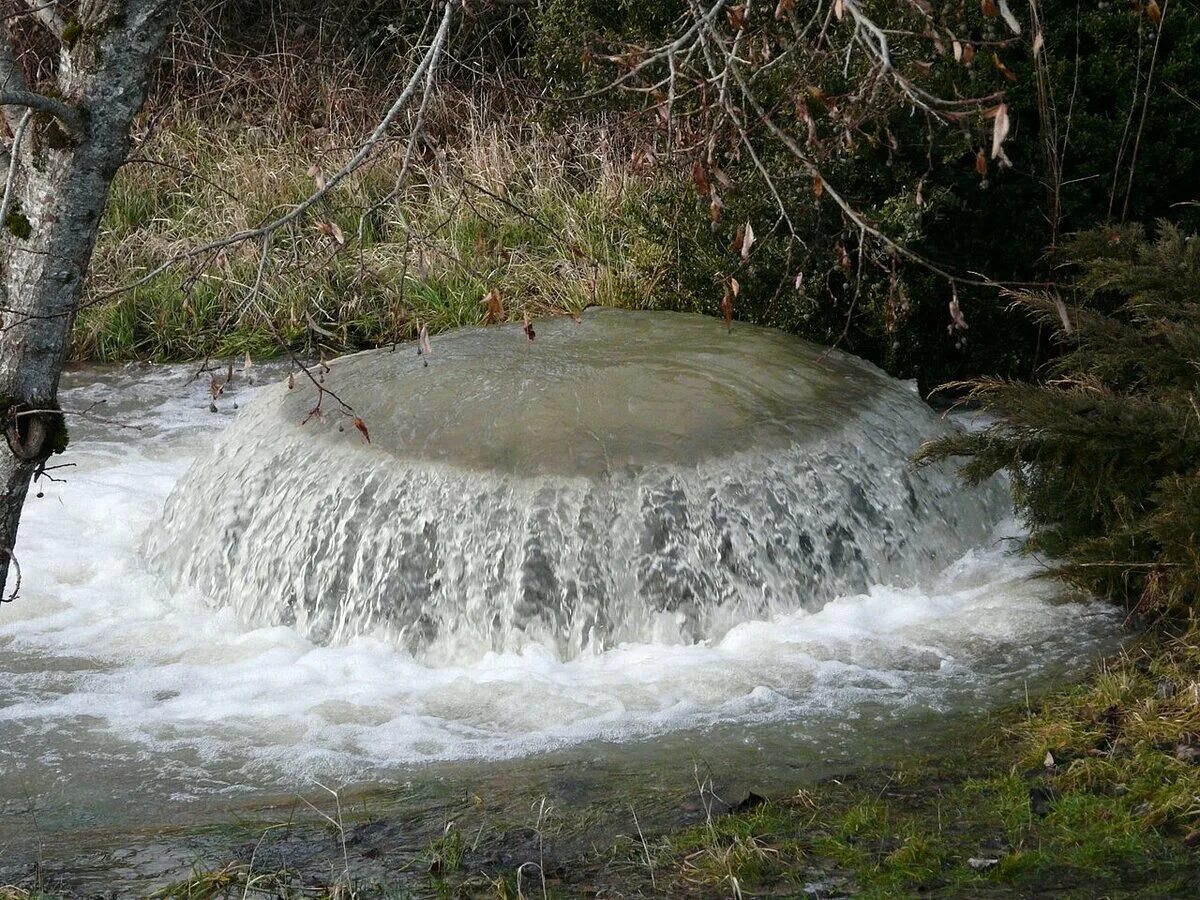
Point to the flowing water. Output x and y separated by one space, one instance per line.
761 581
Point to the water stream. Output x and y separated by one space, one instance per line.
175 669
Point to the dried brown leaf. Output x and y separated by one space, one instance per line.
747 240
494 313
362 428
727 309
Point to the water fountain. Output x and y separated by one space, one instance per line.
623 477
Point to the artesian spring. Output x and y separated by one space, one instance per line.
629 477
731 517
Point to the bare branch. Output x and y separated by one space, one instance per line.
14 155
11 79
65 114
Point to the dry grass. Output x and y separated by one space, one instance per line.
552 220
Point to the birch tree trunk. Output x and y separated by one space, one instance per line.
67 145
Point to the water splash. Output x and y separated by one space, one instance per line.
634 477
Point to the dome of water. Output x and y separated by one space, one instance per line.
628 477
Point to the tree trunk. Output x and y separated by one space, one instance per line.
61 178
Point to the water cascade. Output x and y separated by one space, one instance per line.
627 477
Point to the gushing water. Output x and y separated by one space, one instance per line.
630 477
127 701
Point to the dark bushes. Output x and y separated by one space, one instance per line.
1104 454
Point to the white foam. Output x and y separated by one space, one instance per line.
104 663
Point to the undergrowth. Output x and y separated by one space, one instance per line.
1104 451
551 221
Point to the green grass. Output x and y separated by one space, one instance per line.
553 222
1114 810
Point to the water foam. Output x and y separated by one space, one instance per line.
116 685
633 477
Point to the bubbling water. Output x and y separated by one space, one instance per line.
629 477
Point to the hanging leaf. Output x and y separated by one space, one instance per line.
806 117
989 8
699 178
1000 128
291 381
1003 69
957 48
333 231
843 257
1153 13
957 321
839 9
968 54
715 206
494 313
318 177
747 241
424 348
981 163
527 327
1009 19
818 185
783 9
1038 43
727 309
737 17
739 237
734 286
362 428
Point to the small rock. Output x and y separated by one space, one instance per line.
997 846
752 801
1165 690
1187 753
1041 800
979 863
1048 762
